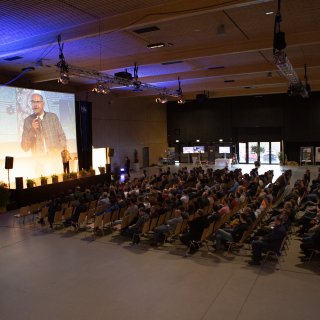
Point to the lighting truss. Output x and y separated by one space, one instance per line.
286 68
102 79
114 80
282 62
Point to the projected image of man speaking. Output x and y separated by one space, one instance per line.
42 131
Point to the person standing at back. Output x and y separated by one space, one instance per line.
65 155
127 166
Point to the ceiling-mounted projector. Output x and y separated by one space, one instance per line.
124 75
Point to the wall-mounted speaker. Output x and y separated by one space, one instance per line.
111 152
9 163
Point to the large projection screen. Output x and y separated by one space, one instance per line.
18 138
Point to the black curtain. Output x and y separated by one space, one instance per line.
84 133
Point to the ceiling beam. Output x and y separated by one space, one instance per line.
126 21
188 53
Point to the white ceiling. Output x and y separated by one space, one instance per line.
100 35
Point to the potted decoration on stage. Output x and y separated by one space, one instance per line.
73 175
43 180
4 196
102 170
136 165
30 183
54 178
65 176
83 173
92 172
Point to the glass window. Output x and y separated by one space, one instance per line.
253 156
265 152
242 152
274 152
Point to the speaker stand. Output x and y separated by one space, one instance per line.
8 178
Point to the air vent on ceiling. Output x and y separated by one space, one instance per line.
13 58
229 80
216 67
147 29
171 62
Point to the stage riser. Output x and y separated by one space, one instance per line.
23 197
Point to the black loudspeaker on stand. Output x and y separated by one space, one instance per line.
9 163
8 166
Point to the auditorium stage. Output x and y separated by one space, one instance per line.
23 197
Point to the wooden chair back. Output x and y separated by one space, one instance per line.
58 217
44 212
98 222
125 222
121 212
153 223
82 219
161 219
145 227
68 213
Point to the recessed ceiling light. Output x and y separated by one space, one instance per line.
156 45
269 12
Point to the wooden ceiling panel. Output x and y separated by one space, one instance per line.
210 40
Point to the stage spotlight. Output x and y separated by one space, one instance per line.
64 78
162 99
62 65
179 93
181 101
101 88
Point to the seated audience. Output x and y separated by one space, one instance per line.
169 227
234 231
196 227
271 241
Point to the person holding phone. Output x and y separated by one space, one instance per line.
42 131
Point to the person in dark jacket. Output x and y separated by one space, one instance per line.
81 207
54 206
135 228
127 166
271 241
196 227
311 242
